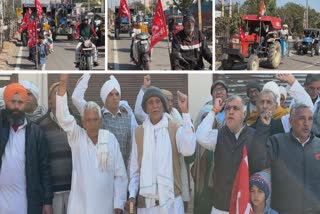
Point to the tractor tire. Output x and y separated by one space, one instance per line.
227 64
274 55
313 51
317 48
253 62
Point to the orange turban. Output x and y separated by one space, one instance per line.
12 89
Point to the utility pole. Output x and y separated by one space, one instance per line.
88 5
307 14
230 8
238 6
222 8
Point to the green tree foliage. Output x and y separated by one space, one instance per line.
183 5
253 7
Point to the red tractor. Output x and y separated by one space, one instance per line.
261 39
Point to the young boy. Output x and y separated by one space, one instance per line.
42 53
260 192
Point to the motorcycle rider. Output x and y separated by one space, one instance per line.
137 24
86 31
189 46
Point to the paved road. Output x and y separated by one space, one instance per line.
61 59
294 62
119 54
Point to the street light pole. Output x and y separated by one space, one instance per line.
307 14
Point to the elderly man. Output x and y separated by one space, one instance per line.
227 144
295 90
253 88
114 120
32 109
294 160
99 178
155 176
59 153
268 102
189 47
25 181
312 86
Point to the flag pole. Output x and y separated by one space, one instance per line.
199 15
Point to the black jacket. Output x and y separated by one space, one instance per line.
191 50
227 158
295 174
37 168
59 153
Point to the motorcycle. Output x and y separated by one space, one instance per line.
141 49
86 56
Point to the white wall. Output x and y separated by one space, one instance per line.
199 91
41 81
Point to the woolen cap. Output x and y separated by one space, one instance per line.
218 82
154 92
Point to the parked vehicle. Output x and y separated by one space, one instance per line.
310 42
260 40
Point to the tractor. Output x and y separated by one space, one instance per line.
260 39
310 42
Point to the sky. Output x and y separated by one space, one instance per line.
315 4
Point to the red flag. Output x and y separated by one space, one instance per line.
32 34
25 21
159 26
124 9
262 10
39 8
240 197
242 34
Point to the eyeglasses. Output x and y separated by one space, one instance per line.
234 108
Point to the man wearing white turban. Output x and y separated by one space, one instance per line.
117 122
32 109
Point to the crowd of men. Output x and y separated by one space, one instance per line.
52 161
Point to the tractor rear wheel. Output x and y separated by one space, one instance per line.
274 55
227 64
253 62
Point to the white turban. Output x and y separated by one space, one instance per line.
272 86
283 91
31 87
108 86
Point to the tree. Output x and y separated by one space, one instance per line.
183 5
253 6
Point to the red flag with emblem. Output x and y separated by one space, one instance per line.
32 34
242 34
124 9
25 21
159 26
240 198
39 8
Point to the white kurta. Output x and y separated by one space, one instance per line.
12 174
92 190
186 142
